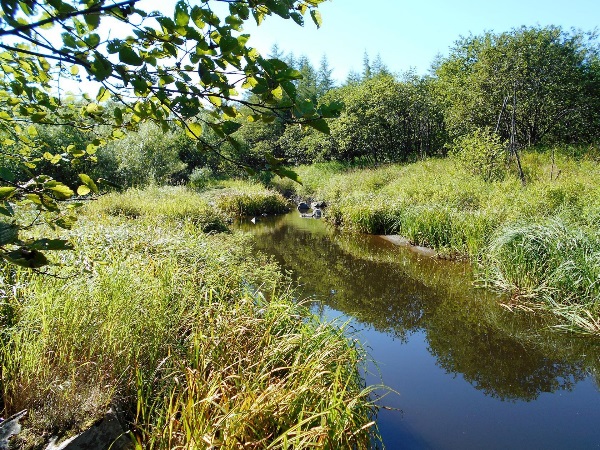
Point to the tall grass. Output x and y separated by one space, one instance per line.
538 241
170 323
242 198
156 204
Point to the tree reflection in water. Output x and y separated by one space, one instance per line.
507 355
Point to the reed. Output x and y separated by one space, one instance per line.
170 323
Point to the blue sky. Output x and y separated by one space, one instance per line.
410 33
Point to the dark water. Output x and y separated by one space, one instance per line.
469 374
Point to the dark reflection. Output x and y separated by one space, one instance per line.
506 355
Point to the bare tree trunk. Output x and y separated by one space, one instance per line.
513 137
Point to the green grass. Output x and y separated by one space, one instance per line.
156 204
241 198
171 324
539 242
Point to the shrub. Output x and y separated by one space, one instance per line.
200 178
480 152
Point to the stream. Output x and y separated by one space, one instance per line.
468 373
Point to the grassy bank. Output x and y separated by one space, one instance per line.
194 335
540 242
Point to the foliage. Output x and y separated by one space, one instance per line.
148 155
387 119
240 198
545 77
480 153
200 178
183 70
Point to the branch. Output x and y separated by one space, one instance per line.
93 10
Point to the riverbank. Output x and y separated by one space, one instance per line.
163 312
539 242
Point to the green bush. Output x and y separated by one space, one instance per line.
481 153
200 178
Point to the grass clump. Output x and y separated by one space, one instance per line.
554 261
161 203
170 324
242 198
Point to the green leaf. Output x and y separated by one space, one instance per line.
59 190
6 192
128 56
197 17
228 44
103 95
182 16
193 130
230 127
6 209
287 173
101 68
83 190
92 40
49 203
320 125
9 233
69 40
7 174
88 182
298 18
331 110
50 244
38 116
316 17
66 222
92 20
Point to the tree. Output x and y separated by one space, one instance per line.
183 70
367 70
307 88
276 52
325 82
352 78
385 119
543 77
379 67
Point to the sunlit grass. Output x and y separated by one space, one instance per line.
242 198
171 324
539 241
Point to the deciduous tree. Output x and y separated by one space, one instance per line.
165 69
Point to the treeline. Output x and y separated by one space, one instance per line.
528 86
525 87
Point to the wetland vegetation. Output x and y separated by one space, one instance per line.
196 336
124 283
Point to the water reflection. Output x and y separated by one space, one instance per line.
508 356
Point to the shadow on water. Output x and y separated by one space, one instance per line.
436 337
